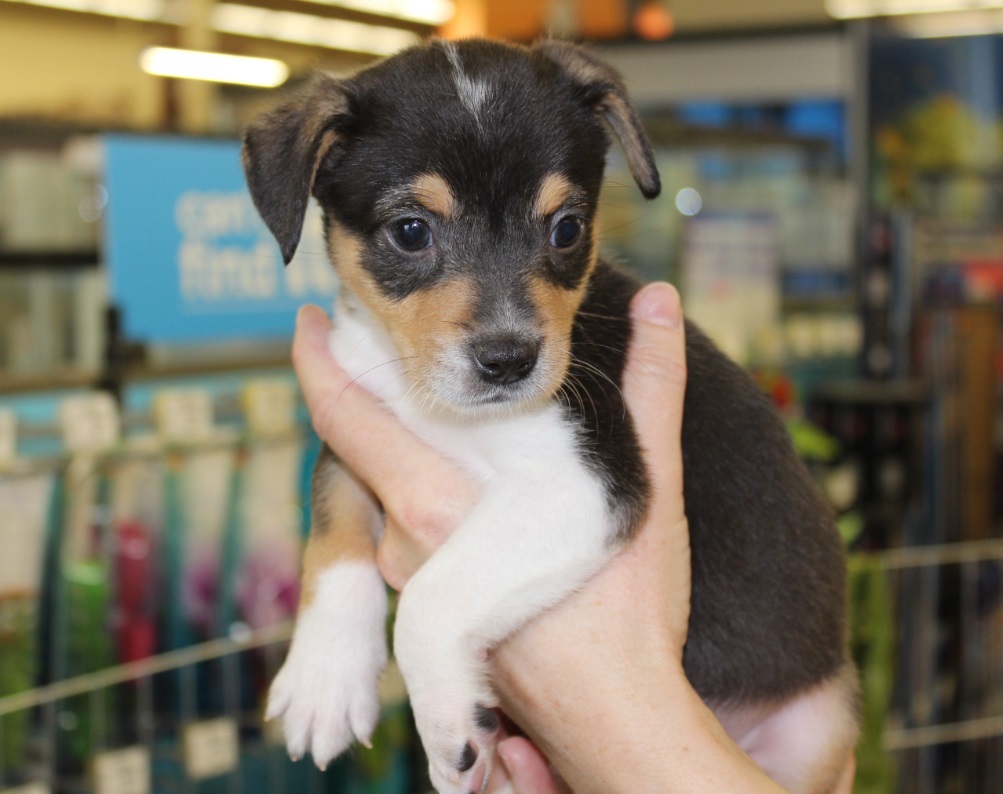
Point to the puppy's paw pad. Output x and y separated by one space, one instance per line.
468 772
467 769
485 719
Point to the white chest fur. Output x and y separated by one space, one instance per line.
541 528
540 442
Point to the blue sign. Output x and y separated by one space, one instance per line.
189 259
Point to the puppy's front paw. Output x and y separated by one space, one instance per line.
326 692
460 750
452 706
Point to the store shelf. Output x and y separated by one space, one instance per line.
55 260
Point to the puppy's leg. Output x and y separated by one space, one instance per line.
805 743
326 692
524 548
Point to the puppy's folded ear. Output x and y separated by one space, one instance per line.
605 90
283 150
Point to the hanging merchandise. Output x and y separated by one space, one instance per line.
81 641
198 495
25 499
137 505
199 499
267 532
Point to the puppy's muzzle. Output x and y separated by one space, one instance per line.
505 359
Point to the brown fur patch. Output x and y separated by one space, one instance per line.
349 513
420 325
345 252
432 191
430 321
557 308
555 190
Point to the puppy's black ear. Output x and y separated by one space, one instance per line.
284 148
605 89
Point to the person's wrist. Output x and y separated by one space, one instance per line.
580 688
611 733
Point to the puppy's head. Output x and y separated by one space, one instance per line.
459 184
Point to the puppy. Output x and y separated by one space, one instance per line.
459 184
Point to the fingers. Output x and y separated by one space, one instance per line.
655 381
527 769
845 784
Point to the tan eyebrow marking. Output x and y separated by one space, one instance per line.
432 191
554 191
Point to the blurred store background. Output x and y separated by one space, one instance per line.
832 212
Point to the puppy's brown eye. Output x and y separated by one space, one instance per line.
411 234
567 232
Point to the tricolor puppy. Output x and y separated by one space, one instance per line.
459 184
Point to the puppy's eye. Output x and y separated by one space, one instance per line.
411 234
567 232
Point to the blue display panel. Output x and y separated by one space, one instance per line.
189 259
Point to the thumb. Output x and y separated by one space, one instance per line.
655 378
527 769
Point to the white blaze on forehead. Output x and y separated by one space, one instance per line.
472 93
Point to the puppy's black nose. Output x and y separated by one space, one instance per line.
505 358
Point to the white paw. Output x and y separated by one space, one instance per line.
460 746
326 692
452 704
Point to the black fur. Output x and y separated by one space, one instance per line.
592 393
769 570
467 758
768 607
493 240
485 719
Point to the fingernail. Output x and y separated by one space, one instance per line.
659 304
511 768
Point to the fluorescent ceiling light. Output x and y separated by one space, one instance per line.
961 23
146 10
336 34
215 67
427 12
261 23
858 9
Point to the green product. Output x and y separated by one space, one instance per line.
18 623
87 603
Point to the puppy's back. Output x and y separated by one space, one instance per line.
768 606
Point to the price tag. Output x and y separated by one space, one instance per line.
125 771
8 437
210 748
270 407
89 422
183 415
30 788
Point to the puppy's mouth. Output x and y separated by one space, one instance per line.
496 371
